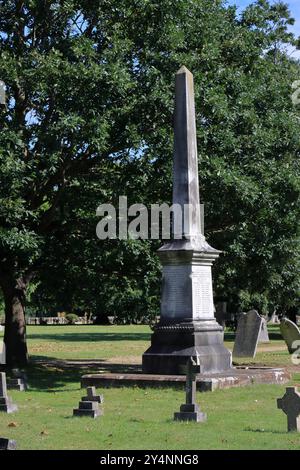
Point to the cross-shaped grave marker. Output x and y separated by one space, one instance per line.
92 395
290 405
190 411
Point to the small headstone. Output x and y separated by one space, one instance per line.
6 404
263 335
92 395
89 405
18 381
274 320
7 444
248 330
2 352
16 384
190 411
291 334
1 328
290 405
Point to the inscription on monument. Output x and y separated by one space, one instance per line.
175 287
202 292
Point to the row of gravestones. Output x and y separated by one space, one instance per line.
252 329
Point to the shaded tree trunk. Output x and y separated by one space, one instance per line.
15 327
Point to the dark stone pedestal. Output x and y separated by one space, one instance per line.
7 405
172 344
7 444
190 413
88 408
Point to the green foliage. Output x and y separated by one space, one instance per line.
71 318
90 90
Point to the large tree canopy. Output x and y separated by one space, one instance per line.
89 118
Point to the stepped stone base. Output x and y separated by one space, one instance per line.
173 344
190 413
88 408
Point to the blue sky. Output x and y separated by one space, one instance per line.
294 6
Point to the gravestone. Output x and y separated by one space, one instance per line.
89 405
2 352
290 405
190 411
7 444
6 404
263 334
274 320
291 334
92 395
187 325
16 384
247 333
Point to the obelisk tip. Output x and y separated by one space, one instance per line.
184 70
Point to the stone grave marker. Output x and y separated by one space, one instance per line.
291 334
89 405
274 320
247 334
290 405
7 444
263 334
6 403
92 395
18 381
190 411
2 352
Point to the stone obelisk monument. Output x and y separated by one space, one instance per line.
187 325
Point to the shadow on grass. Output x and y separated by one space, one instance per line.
50 375
263 431
91 337
230 336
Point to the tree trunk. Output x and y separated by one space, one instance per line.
15 326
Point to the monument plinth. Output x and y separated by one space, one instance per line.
187 325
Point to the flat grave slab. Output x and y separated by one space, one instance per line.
235 377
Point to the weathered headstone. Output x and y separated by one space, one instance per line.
247 334
92 395
6 403
187 325
7 444
263 334
291 334
89 405
2 352
274 320
290 405
190 411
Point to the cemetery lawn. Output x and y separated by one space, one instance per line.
136 418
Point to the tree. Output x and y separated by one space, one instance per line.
90 96
86 83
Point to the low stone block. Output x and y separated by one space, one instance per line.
7 444
197 416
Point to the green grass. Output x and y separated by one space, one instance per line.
135 418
